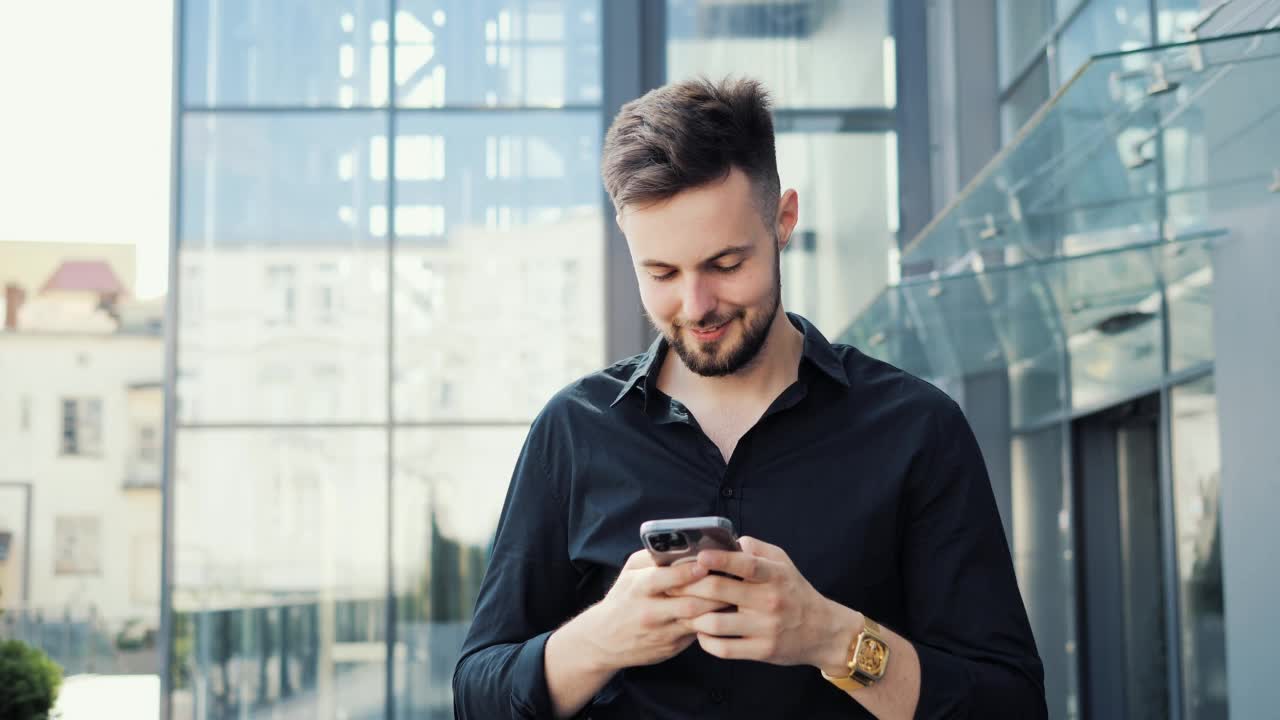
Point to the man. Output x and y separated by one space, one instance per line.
867 517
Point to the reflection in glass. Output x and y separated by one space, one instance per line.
509 201
839 256
326 53
498 53
1103 27
1188 272
283 224
449 488
279 582
1197 469
815 54
1111 310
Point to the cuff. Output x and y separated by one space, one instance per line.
944 684
529 694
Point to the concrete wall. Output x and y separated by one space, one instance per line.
1247 336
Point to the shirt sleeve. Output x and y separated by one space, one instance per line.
965 615
527 592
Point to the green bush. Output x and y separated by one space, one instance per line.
29 682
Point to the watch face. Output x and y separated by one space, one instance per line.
871 656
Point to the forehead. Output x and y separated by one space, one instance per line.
695 223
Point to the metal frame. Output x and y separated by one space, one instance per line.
169 431
393 138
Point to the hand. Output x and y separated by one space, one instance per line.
781 618
637 622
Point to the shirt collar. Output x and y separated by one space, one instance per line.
816 349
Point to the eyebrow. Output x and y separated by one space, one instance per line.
734 250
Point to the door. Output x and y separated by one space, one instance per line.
1120 562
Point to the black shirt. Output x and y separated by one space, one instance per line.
869 478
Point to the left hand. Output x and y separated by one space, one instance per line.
781 618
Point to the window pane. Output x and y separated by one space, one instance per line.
280 572
1022 25
1032 92
1188 270
1197 471
274 209
1103 27
816 54
1111 314
289 53
498 52
449 488
486 201
838 259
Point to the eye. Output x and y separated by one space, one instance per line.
729 268
664 277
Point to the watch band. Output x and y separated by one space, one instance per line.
868 669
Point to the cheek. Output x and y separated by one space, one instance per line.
661 302
748 289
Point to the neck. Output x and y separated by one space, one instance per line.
771 371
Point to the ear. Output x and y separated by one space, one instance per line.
788 216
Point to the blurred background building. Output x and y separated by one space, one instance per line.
390 246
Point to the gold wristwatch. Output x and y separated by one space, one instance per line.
868 659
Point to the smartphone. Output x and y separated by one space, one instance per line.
678 540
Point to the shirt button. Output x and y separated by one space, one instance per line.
726 491
718 696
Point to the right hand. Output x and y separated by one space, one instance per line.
637 623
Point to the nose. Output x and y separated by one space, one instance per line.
699 298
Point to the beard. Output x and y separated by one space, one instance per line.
715 359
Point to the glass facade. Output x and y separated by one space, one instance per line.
1043 43
390 241
1080 266
390 244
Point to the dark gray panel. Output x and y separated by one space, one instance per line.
634 62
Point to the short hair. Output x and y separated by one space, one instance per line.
687 134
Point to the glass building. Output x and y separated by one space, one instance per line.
391 246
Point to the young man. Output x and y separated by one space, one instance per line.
870 532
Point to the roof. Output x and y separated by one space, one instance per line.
84 275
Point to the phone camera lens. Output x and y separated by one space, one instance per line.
677 540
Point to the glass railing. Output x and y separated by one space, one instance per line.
1080 259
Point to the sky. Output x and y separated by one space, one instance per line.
85 129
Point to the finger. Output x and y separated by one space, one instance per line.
686 608
639 559
751 568
720 589
760 548
735 648
744 623
659 580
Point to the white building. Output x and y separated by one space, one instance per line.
80 445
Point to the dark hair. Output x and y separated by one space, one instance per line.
687 134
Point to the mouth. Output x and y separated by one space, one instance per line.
710 334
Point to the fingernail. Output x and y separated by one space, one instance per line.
697 570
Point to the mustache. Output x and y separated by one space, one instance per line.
708 322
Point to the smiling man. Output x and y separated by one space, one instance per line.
874 577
